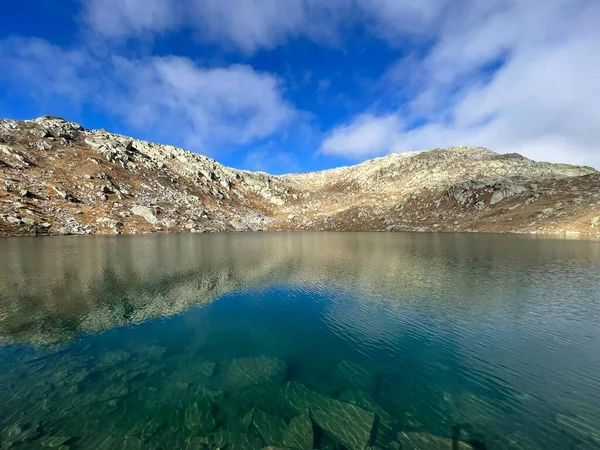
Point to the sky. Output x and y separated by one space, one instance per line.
298 85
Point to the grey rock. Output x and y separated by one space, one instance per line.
43 145
148 213
238 226
349 424
14 220
502 192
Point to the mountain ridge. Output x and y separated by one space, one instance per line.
60 178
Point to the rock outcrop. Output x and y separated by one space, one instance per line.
58 178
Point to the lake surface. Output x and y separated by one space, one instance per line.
300 340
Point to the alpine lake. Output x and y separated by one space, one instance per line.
337 341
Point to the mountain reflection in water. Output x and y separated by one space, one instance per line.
416 340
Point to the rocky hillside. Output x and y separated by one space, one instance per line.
58 178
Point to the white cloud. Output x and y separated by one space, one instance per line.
245 25
250 25
542 102
202 107
367 135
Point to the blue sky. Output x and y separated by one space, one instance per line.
295 85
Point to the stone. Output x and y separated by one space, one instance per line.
506 191
232 441
238 226
299 433
347 423
199 418
385 422
28 221
594 222
42 145
425 441
580 428
14 220
148 213
244 372
270 427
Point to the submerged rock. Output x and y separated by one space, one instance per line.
232 441
245 372
349 424
270 427
384 421
425 441
199 418
299 433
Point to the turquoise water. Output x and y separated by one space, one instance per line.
303 340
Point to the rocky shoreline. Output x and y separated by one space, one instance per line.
58 178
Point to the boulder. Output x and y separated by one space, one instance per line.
385 422
232 441
238 226
506 191
199 418
148 213
270 427
347 423
299 433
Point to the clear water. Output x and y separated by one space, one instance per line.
304 340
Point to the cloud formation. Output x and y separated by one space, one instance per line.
540 100
231 105
510 75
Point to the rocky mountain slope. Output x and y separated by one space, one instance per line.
58 178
